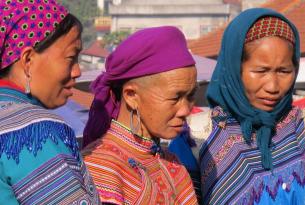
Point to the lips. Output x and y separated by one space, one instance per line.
178 128
69 89
269 101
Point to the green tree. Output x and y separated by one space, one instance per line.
113 39
85 11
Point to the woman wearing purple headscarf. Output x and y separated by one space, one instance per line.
39 158
145 95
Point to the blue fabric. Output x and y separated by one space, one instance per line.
183 151
34 135
30 138
226 88
13 95
284 197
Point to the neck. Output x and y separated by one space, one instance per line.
16 76
7 83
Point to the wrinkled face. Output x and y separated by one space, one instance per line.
268 72
54 71
165 103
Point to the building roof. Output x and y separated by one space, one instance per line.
103 28
209 44
96 49
236 2
83 98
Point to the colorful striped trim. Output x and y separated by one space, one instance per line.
60 180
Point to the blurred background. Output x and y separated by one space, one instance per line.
108 22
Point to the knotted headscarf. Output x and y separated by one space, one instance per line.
146 52
26 23
226 88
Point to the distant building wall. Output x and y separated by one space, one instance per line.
194 18
191 27
92 62
246 4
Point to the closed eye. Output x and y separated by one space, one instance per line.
285 70
262 70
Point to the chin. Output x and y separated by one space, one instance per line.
57 104
264 108
170 136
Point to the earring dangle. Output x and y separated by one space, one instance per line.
135 129
27 85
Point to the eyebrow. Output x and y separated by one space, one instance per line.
181 93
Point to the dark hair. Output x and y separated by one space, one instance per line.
63 28
117 88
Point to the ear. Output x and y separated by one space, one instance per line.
130 95
26 59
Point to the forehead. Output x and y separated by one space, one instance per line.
185 74
71 40
182 79
268 44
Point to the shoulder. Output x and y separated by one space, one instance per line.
111 172
102 154
24 125
16 116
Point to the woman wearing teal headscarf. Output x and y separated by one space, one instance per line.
254 152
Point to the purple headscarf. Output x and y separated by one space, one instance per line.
26 23
146 52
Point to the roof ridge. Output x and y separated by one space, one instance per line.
291 6
287 8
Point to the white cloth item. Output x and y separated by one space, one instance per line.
200 128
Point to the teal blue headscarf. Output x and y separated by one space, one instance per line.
226 88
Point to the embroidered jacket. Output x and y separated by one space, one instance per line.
131 170
231 170
39 157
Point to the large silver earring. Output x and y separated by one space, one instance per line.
27 85
135 129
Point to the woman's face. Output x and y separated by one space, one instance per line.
268 72
53 72
166 102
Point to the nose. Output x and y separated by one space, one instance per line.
185 108
75 72
272 84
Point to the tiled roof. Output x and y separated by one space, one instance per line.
83 98
237 2
297 16
96 49
102 28
209 44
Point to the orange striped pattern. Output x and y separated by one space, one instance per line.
155 180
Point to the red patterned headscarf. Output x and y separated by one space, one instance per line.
270 26
26 23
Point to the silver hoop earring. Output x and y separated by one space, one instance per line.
27 85
135 129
